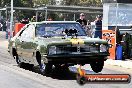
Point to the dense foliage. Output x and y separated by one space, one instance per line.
82 2
54 15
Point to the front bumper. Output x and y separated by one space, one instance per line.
77 58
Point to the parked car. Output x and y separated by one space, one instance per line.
57 43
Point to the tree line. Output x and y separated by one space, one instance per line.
54 15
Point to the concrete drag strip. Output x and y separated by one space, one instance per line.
25 73
48 82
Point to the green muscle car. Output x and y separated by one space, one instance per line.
57 43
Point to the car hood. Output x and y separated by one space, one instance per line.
78 40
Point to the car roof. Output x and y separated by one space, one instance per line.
53 22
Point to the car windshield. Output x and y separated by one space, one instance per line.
57 29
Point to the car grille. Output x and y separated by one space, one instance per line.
78 49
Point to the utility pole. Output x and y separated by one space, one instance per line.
74 16
45 13
36 16
11 19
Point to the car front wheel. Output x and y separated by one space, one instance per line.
97 66
45 68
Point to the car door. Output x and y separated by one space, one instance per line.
26 43
19 41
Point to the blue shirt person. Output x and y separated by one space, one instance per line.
98 27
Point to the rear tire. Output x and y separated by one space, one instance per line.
97 66
16 57
18 61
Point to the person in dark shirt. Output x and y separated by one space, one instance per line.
82 20
98 27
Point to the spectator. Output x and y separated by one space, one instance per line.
1 25
88 28
25 20
82 20
126 45
98 27
33 19
39 17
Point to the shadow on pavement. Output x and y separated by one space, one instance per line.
60 74
63 74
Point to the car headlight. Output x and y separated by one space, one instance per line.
103 48
52 50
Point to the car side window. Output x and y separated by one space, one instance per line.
28 33
40 30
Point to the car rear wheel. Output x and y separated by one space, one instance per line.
97 66
18 61
16 57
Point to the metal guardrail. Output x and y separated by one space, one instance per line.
74 7
63 9
71 11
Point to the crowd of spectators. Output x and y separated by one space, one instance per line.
97 32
